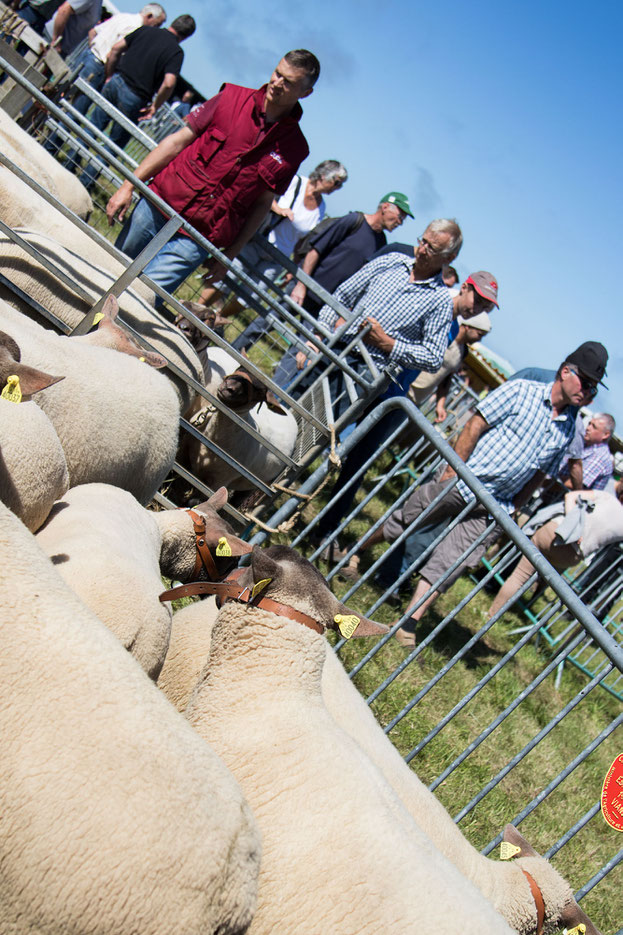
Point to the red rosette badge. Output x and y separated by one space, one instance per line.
612 795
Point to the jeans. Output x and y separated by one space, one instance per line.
174 262
268 268
93 71
121 96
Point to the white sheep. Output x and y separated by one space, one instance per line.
248 398
116 817
33 469
340 852
112 552
83 262
503 883
188 651
116 417
32 158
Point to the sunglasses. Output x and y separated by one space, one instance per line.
589 388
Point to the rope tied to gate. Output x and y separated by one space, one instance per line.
335 463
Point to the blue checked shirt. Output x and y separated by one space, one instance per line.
522 439
416 314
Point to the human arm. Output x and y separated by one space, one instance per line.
467 441
282 212
164 93
92 33
528 489
440 399
160 157
308 266
114 55
575 481
61 19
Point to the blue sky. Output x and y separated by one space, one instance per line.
504 116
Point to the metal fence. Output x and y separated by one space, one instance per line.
505 718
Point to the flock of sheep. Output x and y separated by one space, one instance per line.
215 770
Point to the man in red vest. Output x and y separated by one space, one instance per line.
221 172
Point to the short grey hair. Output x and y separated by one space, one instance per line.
448 226
154 9
329 170
608 421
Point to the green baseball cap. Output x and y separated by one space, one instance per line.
401 201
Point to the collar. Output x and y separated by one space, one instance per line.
433 282
232 590
539 902
258 105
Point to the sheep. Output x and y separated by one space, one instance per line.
116 817
503 883
32 158
111 551
82 261
116 418
188 651
241 392
33 469
340 852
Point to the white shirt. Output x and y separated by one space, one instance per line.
111 31
285 235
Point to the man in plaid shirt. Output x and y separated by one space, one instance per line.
518 434
596 465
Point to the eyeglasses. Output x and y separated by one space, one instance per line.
589 388
426 244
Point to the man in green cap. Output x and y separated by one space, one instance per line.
343 247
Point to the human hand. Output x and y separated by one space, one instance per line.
215 271
441 414
298 293
302 360
119 203
284 212
147 112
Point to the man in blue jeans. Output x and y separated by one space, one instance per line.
149 62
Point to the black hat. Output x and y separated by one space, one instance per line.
590 358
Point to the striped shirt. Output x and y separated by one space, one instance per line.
522 438
416 314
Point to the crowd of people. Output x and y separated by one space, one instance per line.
232 170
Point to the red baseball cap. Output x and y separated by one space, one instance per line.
485 285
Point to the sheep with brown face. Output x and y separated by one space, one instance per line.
33 469
340 852
112 552
249 398
116 417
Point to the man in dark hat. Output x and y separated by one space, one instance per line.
518 434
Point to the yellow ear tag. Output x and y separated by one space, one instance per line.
223 548
12 390
259 586
97 318
142 358
347 624
508 850
578 930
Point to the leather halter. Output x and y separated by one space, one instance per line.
538 901
204 557
231 590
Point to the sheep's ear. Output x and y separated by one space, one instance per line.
30 380
264 568
512 836
572 916
273 404
154 360
110 308
236 545
350 623
217 501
